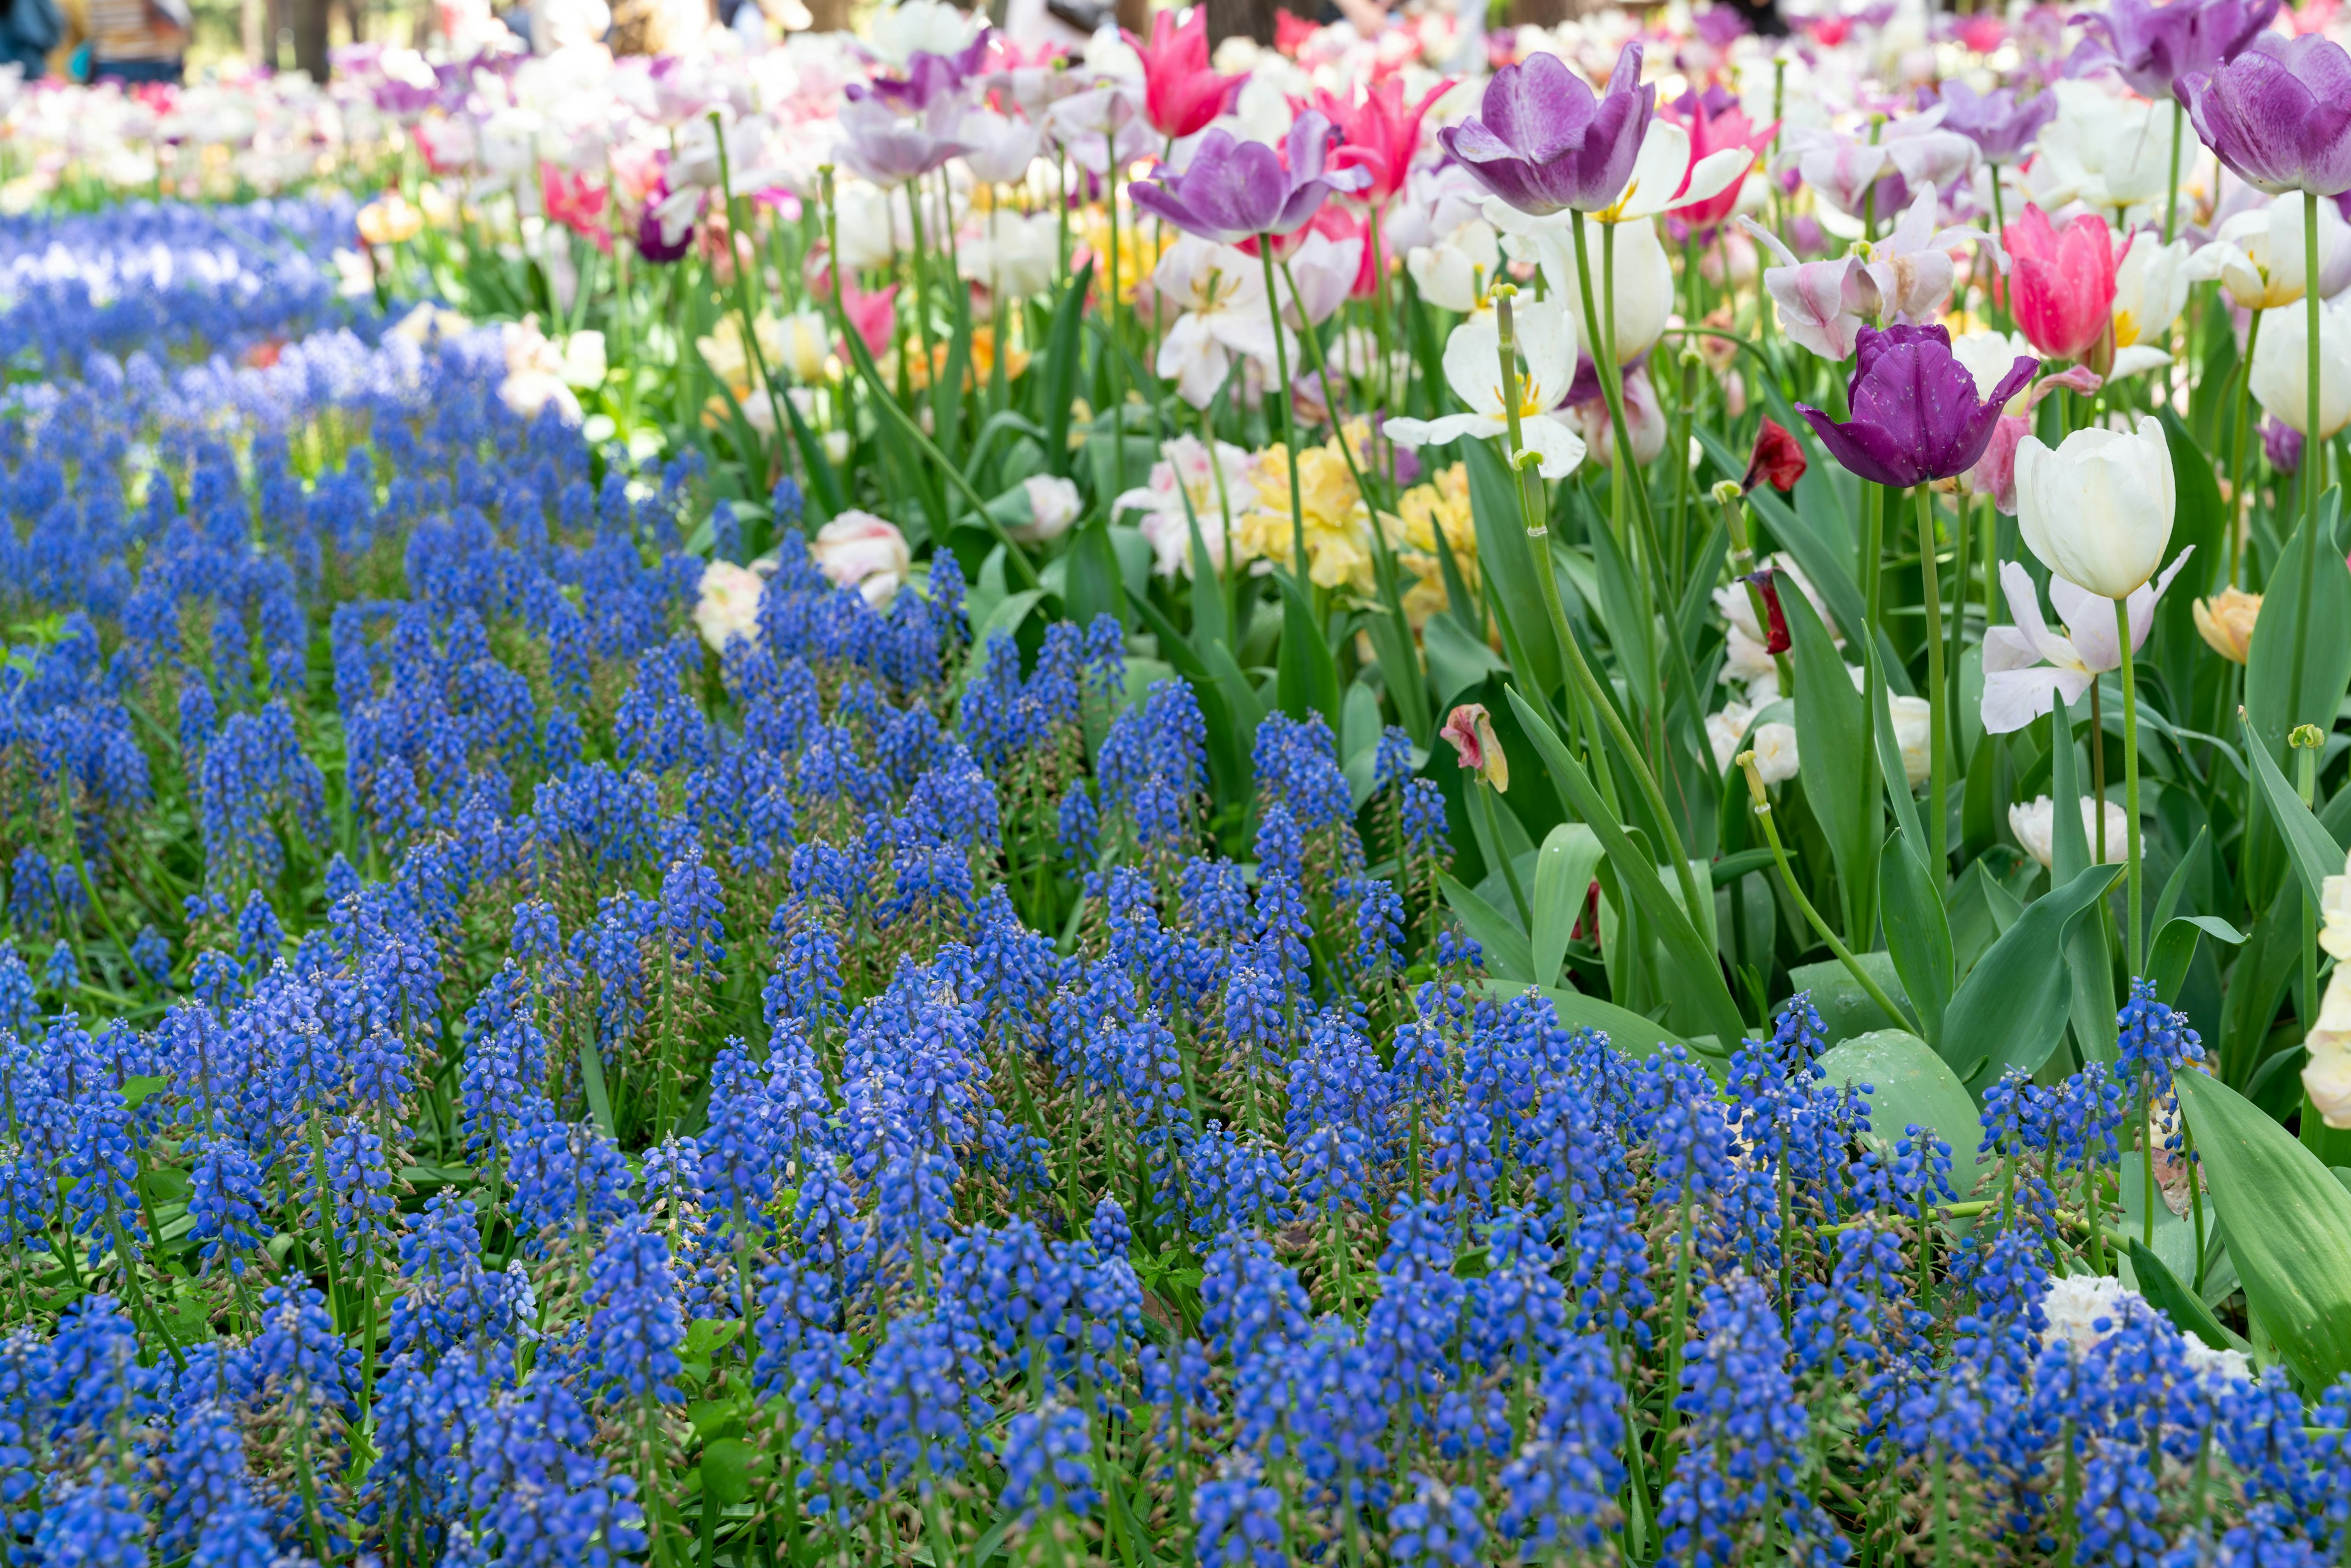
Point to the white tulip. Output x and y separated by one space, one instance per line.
1644 282
2280 376
1053 506
728 606
1546 339
1913 730
2035 827
1455 272
2097 510
1989 356
1774 745
860 551
1725 730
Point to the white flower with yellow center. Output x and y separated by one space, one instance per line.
1473 369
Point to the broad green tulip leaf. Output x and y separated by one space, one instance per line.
2012 1006
2163 1290
1632 629
2301 659
1910 1086
2088 954
1209 623
2200 521
2310 847
1896 778
1845 1010
2288 1224
1458 663
1060 366
1307 676
1506 568
1701 1002
1918 931
826 503
1508 956
1840 766
1564 872
2175 947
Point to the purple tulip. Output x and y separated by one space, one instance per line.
1231 190
655 242
1995 121
2154 45
928 75
2279 115
889 149
1542 140
1915 413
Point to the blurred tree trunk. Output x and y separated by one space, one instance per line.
1240 19
1539 13
1134 15
827 15
253 30
309 19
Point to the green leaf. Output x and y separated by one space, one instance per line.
1457 660
1918 931
1846 1009
1564 872
726 1471
1005 618
1307 676
1701 1002
1061 367
2088 955
818 464
1840 776
2175 948
1910 1086
1625 609
2008 1012
2161 1286
2310 847
2288 1224
1507 955
2301 660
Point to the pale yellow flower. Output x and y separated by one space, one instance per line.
1337 523
1441 502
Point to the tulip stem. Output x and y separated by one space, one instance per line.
1938 754
1109 320
2134 940
2313 452
1280 398
1603 350
2171 205
2240 459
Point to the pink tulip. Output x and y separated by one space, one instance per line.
2063 282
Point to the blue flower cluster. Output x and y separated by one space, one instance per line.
485 1077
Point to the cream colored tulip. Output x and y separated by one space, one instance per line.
2097 511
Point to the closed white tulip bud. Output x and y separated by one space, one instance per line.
2281 366
2097 510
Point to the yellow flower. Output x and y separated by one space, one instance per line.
2226 621
981 369
1140 243
389 219
1338 533
1443 502
723 352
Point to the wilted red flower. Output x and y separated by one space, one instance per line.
1765 581
1779 460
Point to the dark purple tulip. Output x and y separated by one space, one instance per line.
1995 121
2279 115
1231 188
1543 141
1915 414
652 243
2154 45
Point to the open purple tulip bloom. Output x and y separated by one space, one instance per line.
1544 142
2000 126
2156 45
1234 189
1916 413
2279 115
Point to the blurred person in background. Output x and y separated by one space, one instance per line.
133 41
